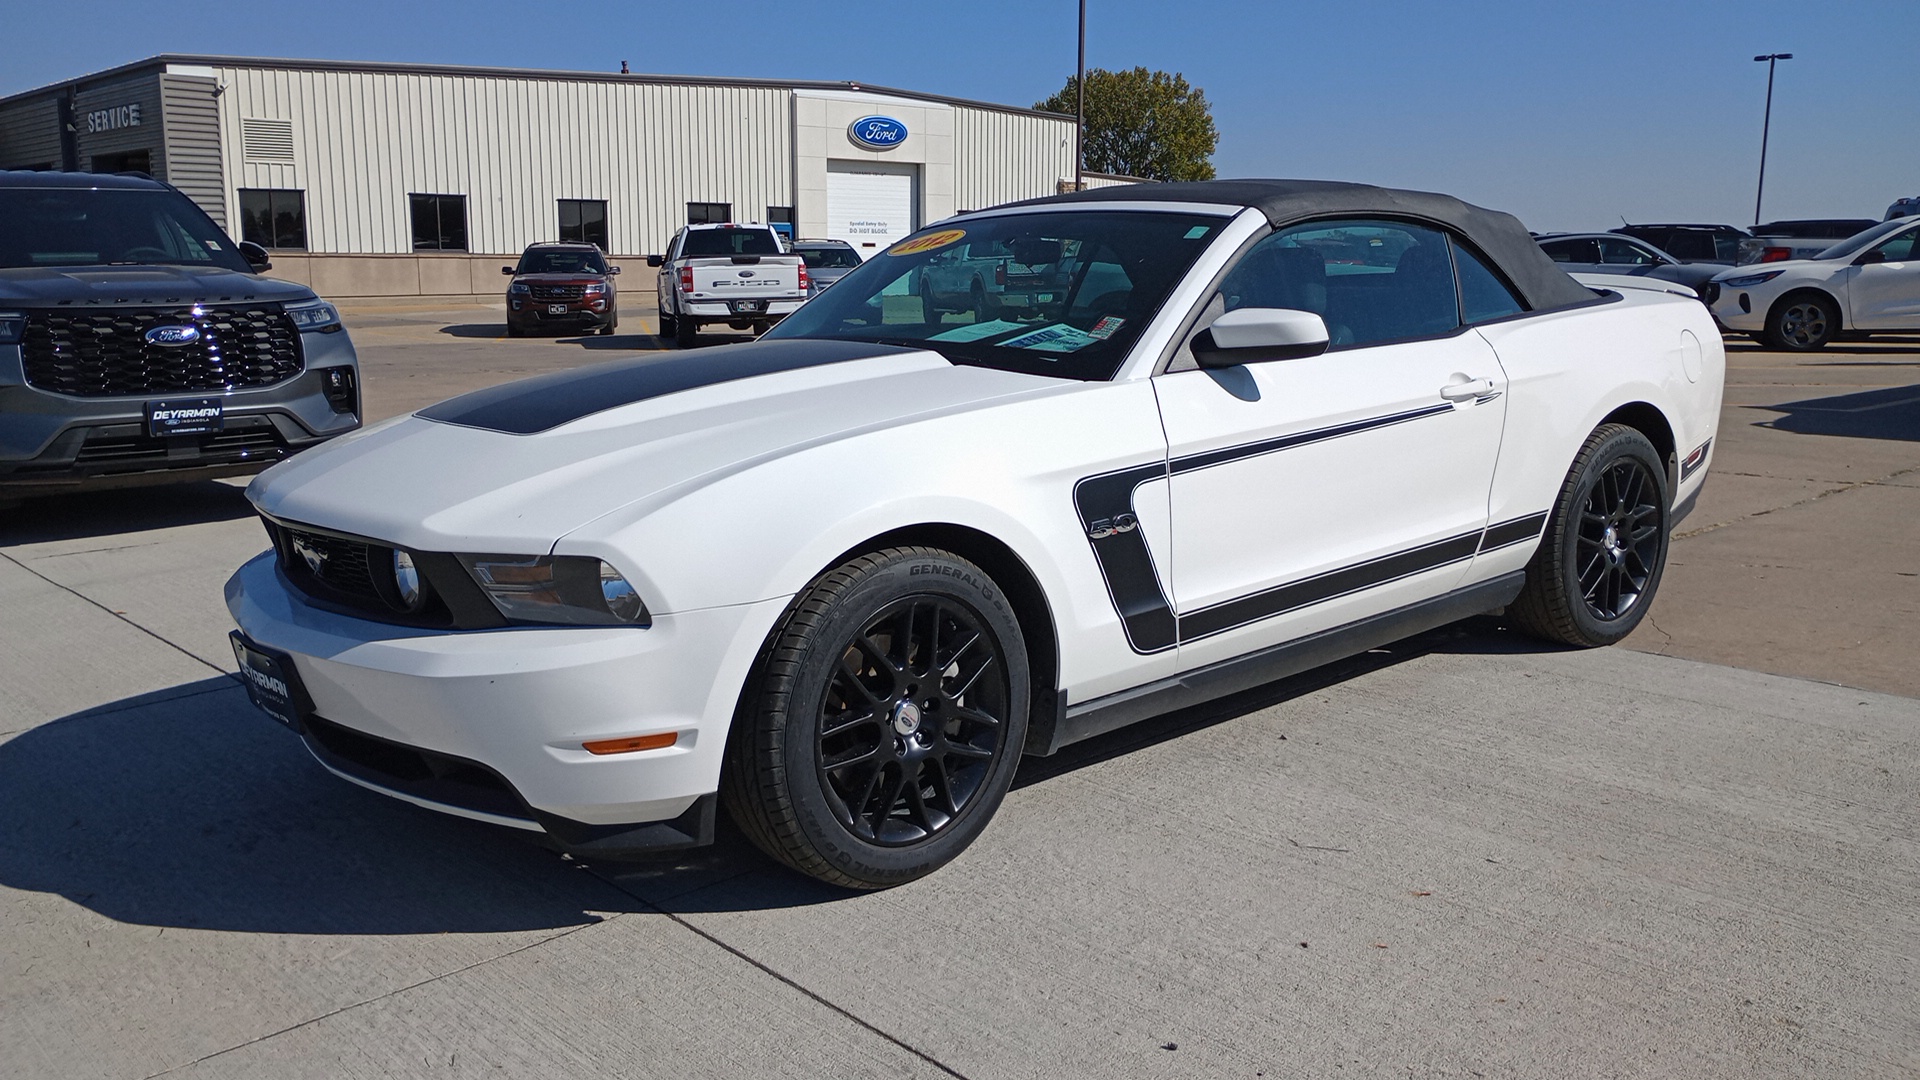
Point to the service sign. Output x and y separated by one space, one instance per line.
120 116
877 132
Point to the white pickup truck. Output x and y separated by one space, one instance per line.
740 275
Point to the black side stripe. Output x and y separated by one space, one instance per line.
1517 531
1124 561
1225 454
1265 604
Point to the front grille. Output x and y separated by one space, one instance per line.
104 352
342 566
234 445
559 292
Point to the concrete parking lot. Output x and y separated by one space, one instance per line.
1465 855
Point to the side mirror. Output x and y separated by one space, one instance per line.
507 270
655 260
257 258
1253 335
613 270
1870 256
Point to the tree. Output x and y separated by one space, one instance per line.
1143 123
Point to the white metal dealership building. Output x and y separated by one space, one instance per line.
407 179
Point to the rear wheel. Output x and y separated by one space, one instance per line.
684 332
667 327
1598 565
1803 323
884 722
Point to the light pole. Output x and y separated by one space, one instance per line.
1765 123
1080 107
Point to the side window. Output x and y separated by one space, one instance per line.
1372 281
1900 248
1483 295
1571 251
1624 253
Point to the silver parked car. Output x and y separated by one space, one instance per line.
1611 253
827 261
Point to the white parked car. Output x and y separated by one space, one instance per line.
844 577
1867 283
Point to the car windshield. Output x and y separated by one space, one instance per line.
1064 293
561 261
109 227
832 258
1861 241
702 243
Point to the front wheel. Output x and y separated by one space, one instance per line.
884 721
1803 323
1605 547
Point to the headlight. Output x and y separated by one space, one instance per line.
1751 280
518 289
313 315
593 290
569 590
12 325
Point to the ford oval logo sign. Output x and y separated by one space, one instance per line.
877 132
173 336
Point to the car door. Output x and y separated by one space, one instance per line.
664 280
1309 493
1884 290
1620 255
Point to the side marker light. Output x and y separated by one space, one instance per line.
628 746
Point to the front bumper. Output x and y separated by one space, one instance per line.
518 704
53 442
1744 310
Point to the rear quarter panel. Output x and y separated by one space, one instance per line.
1568 370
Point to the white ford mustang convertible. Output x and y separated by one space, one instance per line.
1169 442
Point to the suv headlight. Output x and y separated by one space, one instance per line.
565 590
519 288
593 289
313 315
1751 280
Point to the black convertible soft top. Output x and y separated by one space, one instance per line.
1285 202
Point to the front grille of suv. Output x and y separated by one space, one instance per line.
559 292
103 352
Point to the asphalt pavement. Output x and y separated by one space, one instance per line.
1465 855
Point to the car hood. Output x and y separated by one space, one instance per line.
576 277
97 286
516 467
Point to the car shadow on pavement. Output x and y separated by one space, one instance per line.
1889 413
187 808
475 330
80 515
618 342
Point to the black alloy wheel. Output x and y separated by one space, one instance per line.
1594 575
1803 322
887 718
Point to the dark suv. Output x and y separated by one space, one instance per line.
562 287
1692 243
138 345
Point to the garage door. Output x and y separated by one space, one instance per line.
869 205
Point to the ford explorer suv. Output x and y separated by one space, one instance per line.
562 287
139 345
740 276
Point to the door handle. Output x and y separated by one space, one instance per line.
1467 390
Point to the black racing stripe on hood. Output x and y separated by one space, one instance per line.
544 402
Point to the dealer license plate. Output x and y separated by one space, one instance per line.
749 307
185 416
556 309
270 680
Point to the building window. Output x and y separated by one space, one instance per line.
134 161
274 218
584 221
439 222
781 218
709 213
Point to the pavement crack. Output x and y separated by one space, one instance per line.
793 984
1816 497
118 615
310 1021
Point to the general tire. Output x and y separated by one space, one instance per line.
684 332
1600 562
883 722
1803 322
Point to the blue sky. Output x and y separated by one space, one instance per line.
1570 115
